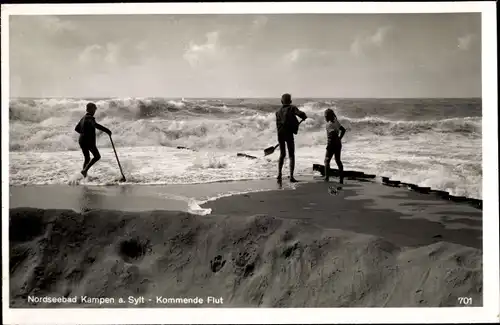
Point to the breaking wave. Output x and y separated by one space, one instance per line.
434 142
47 124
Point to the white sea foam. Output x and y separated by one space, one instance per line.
160 165
443 153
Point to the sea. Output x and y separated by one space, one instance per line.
431 142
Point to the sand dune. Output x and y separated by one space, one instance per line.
247 261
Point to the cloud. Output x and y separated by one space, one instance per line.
357 47
31 31
40 25
309 57
381 34
198 54
465 42
142 46
113 52
89 53
98 54
363 44
54 24
296 55
259 23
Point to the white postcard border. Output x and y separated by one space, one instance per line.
488 313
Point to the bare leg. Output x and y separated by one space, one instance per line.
281 160
291 151
86 156
328 158
339 164
86 161
96 158
91 163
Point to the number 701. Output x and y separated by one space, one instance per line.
465 300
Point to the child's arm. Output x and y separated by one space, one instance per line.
102 128
342 132
299 113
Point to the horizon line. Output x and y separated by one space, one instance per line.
238 97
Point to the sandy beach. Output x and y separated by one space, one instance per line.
368 246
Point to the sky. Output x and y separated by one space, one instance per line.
307 55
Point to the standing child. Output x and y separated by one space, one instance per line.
286 126
334 146
86 128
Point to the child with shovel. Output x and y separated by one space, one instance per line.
87 140
287 125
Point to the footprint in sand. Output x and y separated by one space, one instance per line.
245 264
333 190
217 264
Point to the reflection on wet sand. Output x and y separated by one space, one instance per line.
89 200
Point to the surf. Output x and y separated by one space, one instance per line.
380 139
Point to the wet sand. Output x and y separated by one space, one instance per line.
130 197
368 246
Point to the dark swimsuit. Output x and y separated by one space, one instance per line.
87 140
285 134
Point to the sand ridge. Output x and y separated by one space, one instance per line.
249 261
